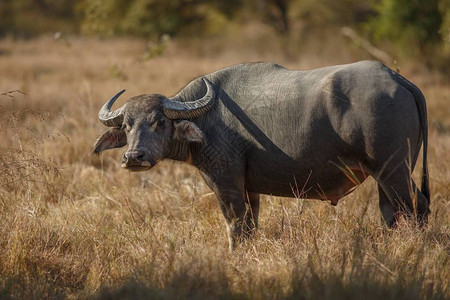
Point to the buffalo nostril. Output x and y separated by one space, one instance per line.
136 160
133 157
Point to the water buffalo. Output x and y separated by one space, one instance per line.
260 128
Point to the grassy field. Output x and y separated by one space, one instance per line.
73 225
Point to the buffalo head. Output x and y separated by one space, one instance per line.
154 127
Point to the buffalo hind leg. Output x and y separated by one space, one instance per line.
387 208
398 195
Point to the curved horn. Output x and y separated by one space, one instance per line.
174 109
111 118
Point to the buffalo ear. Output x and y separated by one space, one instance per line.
113 138
188 131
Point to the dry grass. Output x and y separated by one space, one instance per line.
76 226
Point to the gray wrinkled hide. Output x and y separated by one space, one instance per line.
281 132
314 133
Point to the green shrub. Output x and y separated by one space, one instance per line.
411 27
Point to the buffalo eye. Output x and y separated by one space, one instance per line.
125 127
161 123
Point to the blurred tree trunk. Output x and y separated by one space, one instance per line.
275 12
281 6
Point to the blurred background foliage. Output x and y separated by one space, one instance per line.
417 29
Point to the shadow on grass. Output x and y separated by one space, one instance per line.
214 280
302 289
310 286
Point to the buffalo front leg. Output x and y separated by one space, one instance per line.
252 212
240 210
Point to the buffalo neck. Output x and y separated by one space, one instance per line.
179 150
